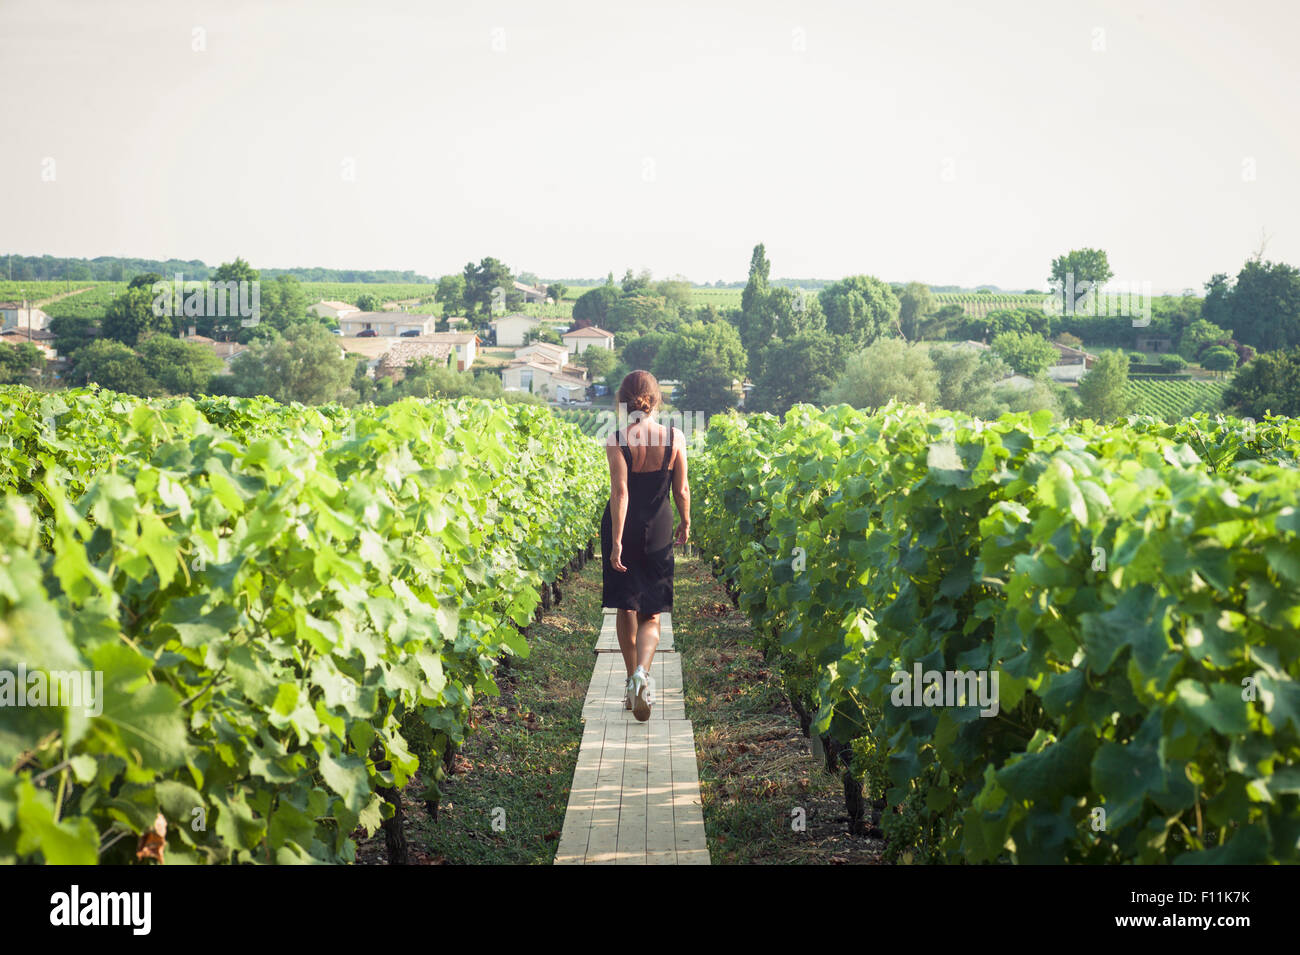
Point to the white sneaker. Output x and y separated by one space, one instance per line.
640 705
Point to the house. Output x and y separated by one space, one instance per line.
578 340
39 337
566 388
386 324
332 309
512 330
528 375
226 351
1151 343
22 315
531 293
1072 363
464 344
544 353
394 362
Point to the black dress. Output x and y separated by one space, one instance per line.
647 584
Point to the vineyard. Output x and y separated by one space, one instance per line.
589 421
1172 399
92 303
1131 593
286 611
978 305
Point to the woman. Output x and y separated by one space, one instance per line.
636 532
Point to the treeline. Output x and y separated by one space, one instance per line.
111 268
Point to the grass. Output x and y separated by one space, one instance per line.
517 765
757 770
756 766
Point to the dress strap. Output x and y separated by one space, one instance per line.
621 438
668 453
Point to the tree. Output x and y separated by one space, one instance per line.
310 368
1086 265
634 284
131 315
643 351
859 309
706 359
236 271
676 292
755 289
1219 358
145 280
593 305
598 361
1026 353
640 313
1264 305
369 302
1217 306
113 365
71 334
282 302
915 306
451 294
1269 384
1196 335
179 367
1103 390
20 364
490 286
887 369
966 377
799 369
556 291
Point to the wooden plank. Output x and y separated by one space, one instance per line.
632 802
661 842
607 642
635 797
572 849
688 814
602 846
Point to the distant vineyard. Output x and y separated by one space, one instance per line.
978 305
92 303
16 291
1175 398
350 291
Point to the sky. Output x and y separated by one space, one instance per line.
944 142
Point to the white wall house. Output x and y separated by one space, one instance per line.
20 315
386 324
580 339
544 353
513 329
542 379
465 345
333 309
531 293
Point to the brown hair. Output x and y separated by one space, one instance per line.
639 392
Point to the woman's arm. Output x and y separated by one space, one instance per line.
617 499
681 489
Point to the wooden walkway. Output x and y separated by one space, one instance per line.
636 789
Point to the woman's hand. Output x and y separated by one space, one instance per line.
616 556
683 530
